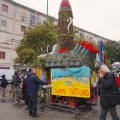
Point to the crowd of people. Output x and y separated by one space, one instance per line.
24 88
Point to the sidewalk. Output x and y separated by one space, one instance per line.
11 111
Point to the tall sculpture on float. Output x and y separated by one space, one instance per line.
65 24
66 37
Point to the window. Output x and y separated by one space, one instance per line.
81 35
24 15
90 38
3 23
86 37
23 28
2 55
32 19
38 20
4 8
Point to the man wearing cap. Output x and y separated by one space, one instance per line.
4 83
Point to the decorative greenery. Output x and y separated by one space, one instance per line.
40 62
113 51
35 42
92 66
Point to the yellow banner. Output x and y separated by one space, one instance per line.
71 86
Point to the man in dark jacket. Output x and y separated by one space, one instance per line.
4 83
108 86
24 91
32 82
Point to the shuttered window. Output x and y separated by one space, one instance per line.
2 55
4 8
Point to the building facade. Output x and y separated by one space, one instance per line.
89 36
14 20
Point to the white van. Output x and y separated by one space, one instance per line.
8 73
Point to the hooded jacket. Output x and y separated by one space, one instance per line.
108 86
4 82
15 82
32 82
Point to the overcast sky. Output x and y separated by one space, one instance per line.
101 17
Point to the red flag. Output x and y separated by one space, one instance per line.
104 57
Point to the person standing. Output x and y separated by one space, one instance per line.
15 86
24 91
32 82
4 83
108 86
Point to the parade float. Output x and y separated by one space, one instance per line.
73 82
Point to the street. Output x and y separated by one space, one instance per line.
11 111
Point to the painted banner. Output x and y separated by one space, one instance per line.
73 86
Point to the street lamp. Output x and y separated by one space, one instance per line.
47 10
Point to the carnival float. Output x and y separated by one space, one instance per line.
73 83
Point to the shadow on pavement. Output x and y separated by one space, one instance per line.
6 100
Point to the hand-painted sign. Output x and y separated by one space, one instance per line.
73 86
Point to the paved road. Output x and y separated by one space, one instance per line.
11 111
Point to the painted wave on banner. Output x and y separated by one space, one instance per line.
63 72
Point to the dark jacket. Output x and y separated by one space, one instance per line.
24 97
108 86
4 83
15 82
32 83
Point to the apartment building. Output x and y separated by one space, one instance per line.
14 20
89 36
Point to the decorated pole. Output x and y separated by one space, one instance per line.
65 24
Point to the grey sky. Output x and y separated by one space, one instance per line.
98 16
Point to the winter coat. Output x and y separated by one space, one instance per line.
15 82
32 82
4 83
108 86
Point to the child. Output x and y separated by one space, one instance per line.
4 83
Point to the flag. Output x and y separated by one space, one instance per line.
102 53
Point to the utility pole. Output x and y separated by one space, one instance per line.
47 10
